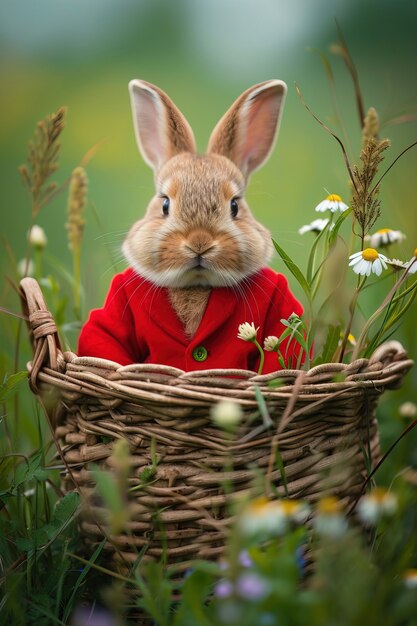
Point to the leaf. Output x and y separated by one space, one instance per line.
7 463
10 383
263 408
65 508
294 269
194 594
80 579
107 488
330 344
334 232
25 471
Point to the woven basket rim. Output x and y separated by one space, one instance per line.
386 367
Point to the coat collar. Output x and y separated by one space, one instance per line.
223 304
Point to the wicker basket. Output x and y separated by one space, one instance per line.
323 423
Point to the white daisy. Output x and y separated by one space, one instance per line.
316 226
368 261
411 265
384 237
247 331
410 578
397 264
272 517
376 504
330 520
332 203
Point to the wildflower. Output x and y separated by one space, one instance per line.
332 203
411 265
226 414
367 261
37 237
351 339
397 264
92 616
25 268
329 520
294 510
376 504
316 226
250 586
293 318
272 517
271 343
223 589
245 559
410 578
408 409
384 237
247 332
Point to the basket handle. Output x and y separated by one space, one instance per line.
42 329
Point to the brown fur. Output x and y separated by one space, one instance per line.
189 305
197 244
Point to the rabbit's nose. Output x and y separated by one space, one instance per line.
199 243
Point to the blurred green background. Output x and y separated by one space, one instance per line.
204 54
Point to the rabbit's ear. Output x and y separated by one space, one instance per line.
246 133
161 129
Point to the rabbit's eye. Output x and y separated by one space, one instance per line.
234 207
165 206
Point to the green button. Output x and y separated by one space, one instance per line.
200 353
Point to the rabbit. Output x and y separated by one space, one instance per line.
198 258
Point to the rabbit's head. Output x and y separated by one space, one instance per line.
198 229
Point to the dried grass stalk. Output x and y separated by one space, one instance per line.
42 160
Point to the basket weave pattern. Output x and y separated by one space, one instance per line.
322 422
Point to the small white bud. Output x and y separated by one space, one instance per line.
37 237
227 414
271 343
408 409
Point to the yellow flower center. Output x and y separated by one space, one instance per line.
381 231
329 506
415 253
379 495
334 198
258 506
370 254
289 507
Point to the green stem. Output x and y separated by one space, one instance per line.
77 283
375 315
352 307
262 356
38 263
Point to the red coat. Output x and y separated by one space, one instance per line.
138 324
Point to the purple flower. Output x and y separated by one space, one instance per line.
92 616
244 559
251 586
223 589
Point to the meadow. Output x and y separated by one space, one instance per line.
83 184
